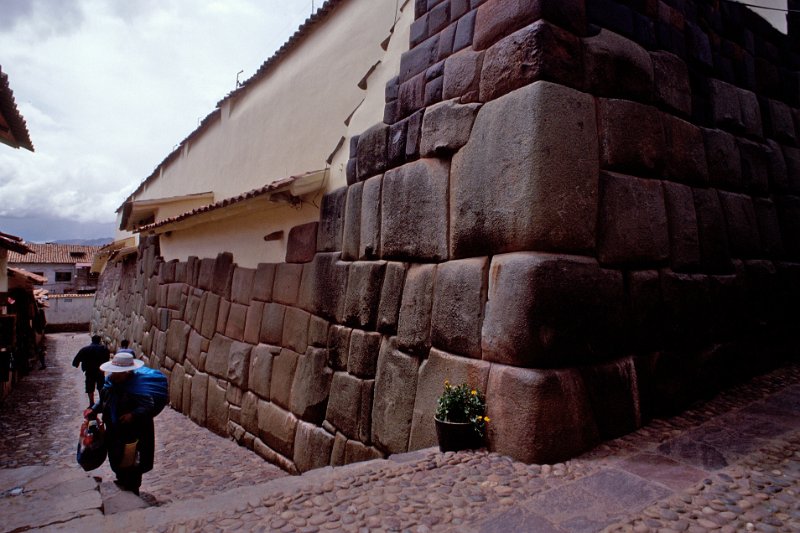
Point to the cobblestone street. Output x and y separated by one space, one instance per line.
41 419
730 464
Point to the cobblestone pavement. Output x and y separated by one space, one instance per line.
729 464
39 424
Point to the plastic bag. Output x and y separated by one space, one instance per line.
92 448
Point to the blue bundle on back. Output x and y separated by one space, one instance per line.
154 383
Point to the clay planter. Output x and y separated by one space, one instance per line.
456 436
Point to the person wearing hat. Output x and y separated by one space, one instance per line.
90 358
127 406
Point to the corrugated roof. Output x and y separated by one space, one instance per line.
302 32
13 243
19 136
56 253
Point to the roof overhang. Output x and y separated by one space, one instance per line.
134 211
24 278
280 192
111 251
14 243
13 130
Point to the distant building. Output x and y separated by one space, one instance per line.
66 266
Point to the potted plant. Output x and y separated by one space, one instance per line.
460 418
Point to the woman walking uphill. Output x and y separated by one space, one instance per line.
131 396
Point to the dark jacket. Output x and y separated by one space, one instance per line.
91 357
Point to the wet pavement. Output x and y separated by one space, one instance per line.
730 464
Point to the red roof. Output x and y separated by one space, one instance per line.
13 130
56 253
302 32
13 243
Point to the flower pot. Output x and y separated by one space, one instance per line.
456 436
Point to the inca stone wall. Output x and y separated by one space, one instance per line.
589 210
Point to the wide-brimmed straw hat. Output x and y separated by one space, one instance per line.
122 362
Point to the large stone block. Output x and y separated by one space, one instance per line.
242 285
532 152
671 82
176 387
318 332
414 323
780 121
217 408
199 394
684 242
272 323
781 160
194 347
540 51
646 308
686 308
252 323
632 221
369 242
364 283
313 447
338 347
295 329
414 211
276 427
210 315
714 250
613 391
260 376
742 224
311 387
283 368
192 306
632 137
617 67
755 166
239 364
263 281
462 76
548 310
302 243
457 313
352 223
177 337
331 221
175 293
724 162
223 274
417 59
498 18
219 352
324 285
248 416
362 358
391 296
768 227
789 217
446 127
394 404
287 283
725 108
350 405
355 452
686 154
539 416
237 319
372 151
433 372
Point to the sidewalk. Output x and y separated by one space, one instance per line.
731 464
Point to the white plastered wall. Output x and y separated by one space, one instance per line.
288 123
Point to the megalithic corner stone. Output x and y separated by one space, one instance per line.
528 177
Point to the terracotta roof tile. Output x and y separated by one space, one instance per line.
266 189
55 253
14 244
8 109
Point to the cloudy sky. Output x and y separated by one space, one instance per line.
109 87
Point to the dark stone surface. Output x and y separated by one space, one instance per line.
742 224
632 220
682 220
331 221
664 470
714 249
414 322
351 233
617 67
323 287
391 296
540 51
372 151
364 283
671 82
498 18
632 137
724 162
686 155
302 243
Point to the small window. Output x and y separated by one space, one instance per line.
77 254
63 276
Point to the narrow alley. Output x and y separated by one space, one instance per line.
730 464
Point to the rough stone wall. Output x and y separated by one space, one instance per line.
589 210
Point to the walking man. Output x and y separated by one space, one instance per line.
132 395
90 358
